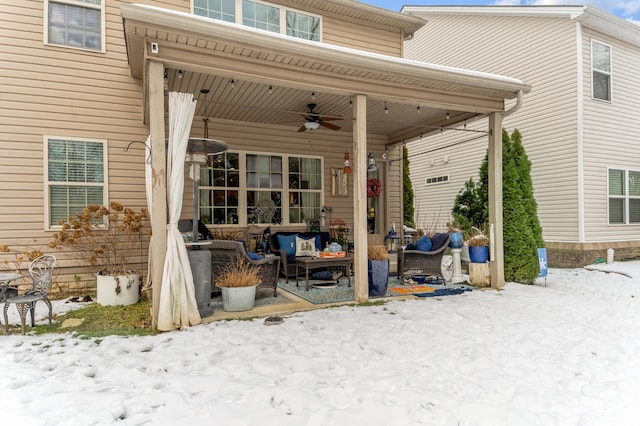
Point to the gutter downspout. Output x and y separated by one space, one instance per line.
516 107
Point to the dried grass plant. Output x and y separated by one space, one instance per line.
226 234
377 252
238 273
18 259
478 240
104 238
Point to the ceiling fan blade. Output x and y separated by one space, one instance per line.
330 126
330 118
302 128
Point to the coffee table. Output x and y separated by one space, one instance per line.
311 263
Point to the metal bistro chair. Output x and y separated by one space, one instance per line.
41 270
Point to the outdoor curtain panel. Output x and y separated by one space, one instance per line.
178 306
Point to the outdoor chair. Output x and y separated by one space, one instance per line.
416 262
41 271
226 251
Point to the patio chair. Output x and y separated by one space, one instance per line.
416 262
41 271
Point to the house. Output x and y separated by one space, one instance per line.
293 87
579 124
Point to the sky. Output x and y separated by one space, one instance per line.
626 9
564 353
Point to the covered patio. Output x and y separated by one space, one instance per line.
252 85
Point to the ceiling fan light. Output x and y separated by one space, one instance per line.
311 125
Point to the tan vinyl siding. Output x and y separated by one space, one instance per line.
611 135
540 52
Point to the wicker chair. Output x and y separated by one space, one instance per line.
41 271
225 251
287 263
416 262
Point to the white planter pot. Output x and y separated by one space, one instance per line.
235 299
106 293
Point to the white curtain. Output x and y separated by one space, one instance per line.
178 306
149 188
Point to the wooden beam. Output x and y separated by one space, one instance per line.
360 197
159 182
495 200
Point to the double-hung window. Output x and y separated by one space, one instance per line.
624 196
262 15
75 23
254 188
75 176
601 70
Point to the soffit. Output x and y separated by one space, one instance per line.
212 53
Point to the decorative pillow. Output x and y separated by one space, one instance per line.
411 246
317 240
424 244
287 243
438 240
305 247
254 256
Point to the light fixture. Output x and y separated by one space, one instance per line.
233 83
347 164
311 125
313 96
324 210
386 110
180 73
270 89
373 165
385 154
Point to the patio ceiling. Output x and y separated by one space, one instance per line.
210 54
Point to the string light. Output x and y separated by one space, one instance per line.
166 80
448 116
179 73
233 83
386 110
313 96
350 101
418 109
270 89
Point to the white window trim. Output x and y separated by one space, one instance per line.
242 188
105 183
45 18
283 15
626 197
610 73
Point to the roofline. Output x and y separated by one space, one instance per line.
408 22
590 16
319 51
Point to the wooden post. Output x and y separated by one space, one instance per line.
361 286
496 249
159 183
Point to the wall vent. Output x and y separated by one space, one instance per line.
436 180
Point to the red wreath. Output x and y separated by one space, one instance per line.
373 188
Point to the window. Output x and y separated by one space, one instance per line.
601 70
436 179
247 188
262 15
624 196
75 23
75 177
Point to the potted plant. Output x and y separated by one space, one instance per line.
106 238
238 281
378 269
478 248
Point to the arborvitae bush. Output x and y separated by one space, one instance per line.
407 195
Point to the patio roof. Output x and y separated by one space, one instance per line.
210 53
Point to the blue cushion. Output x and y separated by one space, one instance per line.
254 256
438 240
411 246
324 274
423 244
287 243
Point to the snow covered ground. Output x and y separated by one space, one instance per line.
564 354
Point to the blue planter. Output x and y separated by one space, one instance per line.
479 254
378 277
456 240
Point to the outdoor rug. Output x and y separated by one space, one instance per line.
343 293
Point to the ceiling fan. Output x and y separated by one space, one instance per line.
314 120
